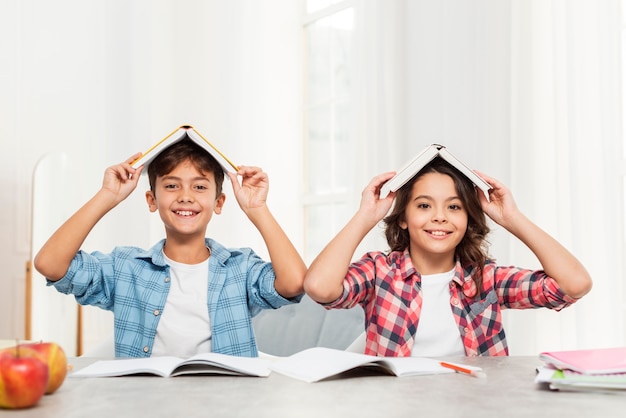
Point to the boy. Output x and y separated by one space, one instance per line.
187 294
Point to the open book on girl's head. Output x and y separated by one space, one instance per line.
413 167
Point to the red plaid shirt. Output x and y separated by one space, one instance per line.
389 289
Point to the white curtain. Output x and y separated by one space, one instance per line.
566 160
379 89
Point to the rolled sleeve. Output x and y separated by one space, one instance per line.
85 279
523 289
261 286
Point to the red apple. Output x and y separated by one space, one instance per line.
23 377
54 356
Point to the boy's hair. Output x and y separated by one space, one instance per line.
473 248
181 151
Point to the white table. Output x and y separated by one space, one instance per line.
507 391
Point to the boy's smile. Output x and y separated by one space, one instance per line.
436 221
186 201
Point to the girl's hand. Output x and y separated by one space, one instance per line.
371 203
501 207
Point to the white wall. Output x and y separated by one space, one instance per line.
101 80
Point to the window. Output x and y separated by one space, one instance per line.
328 28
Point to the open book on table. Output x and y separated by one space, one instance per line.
319 363
413 167
205 363
182 133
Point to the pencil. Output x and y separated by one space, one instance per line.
462 370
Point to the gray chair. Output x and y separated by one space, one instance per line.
293 328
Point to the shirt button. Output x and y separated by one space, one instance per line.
167 280
156 312
466 329
455 301
146 349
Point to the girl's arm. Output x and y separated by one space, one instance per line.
555 259
287 263
324 278
55 256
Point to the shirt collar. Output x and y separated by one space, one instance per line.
404 263
155 253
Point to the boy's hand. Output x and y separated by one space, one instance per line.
120 180
252 192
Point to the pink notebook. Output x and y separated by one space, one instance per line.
593 361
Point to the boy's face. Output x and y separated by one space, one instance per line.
436 220
186 200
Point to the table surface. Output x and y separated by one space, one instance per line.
508 390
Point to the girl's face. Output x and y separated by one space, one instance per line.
436 221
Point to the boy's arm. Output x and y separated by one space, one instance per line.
555 259
55 256
324 279
287 263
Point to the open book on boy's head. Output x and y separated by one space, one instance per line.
185 132
414 166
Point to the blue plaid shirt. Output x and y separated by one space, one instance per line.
134 283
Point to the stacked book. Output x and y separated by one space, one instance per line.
598 370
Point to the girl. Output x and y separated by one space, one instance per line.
436 293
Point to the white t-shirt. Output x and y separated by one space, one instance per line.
437 331
185 328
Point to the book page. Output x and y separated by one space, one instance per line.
410 169
468 172
318 363
414 366
156 149
158 366
205 363
210 363
224 161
